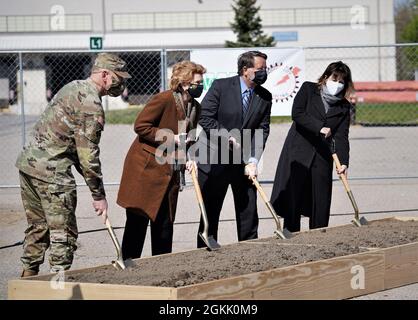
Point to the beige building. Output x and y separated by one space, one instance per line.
134 25
68 24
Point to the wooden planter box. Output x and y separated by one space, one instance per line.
325 279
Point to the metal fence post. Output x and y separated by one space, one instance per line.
163 55
22 99
28 96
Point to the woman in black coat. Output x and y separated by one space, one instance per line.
303 181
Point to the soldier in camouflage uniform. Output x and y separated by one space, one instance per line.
67 133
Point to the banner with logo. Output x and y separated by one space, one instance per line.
285 68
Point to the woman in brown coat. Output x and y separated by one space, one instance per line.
150 182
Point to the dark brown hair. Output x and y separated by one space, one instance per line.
342 71
247 60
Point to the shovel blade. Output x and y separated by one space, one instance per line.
129 263
363 221
119 265
360 222
210 242
123 264
283 234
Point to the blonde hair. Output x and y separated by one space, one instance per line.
183 72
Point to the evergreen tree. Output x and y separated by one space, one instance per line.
247 26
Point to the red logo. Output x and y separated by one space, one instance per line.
283 81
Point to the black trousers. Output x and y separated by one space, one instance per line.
311 191
214 187
136 230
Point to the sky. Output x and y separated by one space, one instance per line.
400 1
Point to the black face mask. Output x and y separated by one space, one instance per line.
260 76
195 90
116 91
117 88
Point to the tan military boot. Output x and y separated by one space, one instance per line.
28 273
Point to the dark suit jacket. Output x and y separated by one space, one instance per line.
222 109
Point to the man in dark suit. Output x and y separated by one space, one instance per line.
236 114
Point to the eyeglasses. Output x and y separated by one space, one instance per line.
195 85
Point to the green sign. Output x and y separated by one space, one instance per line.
96 43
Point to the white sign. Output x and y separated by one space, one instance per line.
4 89
285 68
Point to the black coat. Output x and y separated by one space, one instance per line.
304 145
222 109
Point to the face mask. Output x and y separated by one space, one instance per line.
195 90
116 88
260 76
334 87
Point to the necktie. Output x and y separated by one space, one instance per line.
246 98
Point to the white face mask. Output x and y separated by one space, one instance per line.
334 87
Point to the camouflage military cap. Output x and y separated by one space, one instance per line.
112 62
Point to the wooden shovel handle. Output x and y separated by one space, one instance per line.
260 190
268 204
108 224
343 177
196 185
113 236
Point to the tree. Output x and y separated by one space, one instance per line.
405 14
247 26
410 32
406 21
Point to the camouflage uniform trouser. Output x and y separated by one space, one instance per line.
50 212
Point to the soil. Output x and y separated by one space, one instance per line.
192 267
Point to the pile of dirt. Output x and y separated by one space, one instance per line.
378 234
186 268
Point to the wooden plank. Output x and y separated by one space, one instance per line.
401 265
42 290
326 279
405 218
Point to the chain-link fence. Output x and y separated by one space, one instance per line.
385 114
386 81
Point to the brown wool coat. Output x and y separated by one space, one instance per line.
144 181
